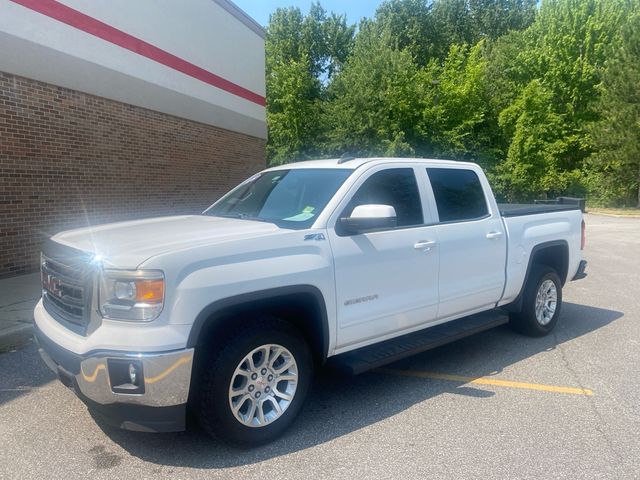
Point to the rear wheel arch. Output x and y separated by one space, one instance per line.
554 254
541 303
301 305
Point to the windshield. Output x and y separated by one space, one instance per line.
289 198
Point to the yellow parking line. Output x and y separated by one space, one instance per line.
486 381
182 360
92 378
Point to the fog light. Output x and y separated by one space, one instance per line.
133 374
126 376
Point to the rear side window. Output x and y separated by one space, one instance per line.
459 195
396 187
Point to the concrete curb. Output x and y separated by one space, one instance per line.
15 336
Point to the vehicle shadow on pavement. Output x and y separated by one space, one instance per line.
22 371
339 405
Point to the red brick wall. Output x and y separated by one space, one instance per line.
69 159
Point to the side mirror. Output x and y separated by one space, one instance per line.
366 218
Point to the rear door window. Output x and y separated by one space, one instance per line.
458 193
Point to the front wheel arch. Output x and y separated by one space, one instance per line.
301 305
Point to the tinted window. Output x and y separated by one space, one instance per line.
458 193
289 198
396 187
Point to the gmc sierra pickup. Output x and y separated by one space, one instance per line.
350 262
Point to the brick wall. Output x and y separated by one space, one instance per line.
69 159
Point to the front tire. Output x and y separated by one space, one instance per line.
253 388
541 303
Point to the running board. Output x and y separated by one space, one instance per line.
379 354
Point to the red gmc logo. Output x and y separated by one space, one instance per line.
53 285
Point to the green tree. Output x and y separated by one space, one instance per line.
372 108
293 110
429 29
408 25
614 175
455 106
543 94
303 53
494 18
539 140
563 52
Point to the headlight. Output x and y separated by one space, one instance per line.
131 295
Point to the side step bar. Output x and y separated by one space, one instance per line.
374 356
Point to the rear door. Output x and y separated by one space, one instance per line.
472 241
386 281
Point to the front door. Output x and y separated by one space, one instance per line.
386 281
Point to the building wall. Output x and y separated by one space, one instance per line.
196 59
69 159
118 109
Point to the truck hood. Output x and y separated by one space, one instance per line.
128 244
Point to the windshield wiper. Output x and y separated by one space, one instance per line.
241 216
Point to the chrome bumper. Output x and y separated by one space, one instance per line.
166 376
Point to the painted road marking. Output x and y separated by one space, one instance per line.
486 381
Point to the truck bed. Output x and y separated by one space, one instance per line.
520 209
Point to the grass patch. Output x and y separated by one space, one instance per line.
619 212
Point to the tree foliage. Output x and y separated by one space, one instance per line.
303 54
372 103
542 94
614 174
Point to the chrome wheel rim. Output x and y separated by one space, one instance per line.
546 302
263 385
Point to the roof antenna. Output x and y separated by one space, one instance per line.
345 158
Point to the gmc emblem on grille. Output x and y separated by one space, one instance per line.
53 285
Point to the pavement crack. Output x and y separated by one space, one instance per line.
2 307
590 399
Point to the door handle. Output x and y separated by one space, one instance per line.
494 235
425 245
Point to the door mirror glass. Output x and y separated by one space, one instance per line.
366 218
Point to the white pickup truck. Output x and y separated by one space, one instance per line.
350 262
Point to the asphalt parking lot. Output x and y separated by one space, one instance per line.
496 405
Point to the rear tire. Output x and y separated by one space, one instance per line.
541 302
253 387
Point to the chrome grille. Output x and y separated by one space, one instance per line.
65 285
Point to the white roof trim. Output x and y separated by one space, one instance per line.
244 17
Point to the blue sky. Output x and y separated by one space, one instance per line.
355 9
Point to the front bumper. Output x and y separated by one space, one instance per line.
158 404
